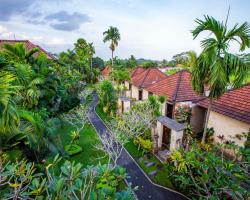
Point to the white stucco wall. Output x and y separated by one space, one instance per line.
144 94
163 108
174 137
227 126
135 92
126 105
160 133
126 85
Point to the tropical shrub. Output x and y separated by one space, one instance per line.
107 97
145 145
73 149
20 180
207 174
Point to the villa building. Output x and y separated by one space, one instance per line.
230 115
140 79
178 91
28 45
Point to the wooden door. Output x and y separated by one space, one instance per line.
122 106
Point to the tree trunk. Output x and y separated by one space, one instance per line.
112 57
91 62
206 121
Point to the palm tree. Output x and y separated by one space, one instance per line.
19 52
216 68
113 35
191 59
8 116
91 53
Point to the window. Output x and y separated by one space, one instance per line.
169 110
130 86
140 95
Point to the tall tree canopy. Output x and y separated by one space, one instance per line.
112 35
216 67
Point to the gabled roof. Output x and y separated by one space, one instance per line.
147 77
106 70
234 103
137 71
176 87
29 45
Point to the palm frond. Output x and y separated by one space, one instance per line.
209 24
242 32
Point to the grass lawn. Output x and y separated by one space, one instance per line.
103 115
88 139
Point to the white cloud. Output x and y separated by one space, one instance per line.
5 33
56 41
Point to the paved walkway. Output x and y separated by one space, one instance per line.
146 190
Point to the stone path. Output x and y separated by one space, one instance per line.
146 189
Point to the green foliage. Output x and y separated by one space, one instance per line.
112 35
162 99
149 64
207 174
81 60
120 75
154 103
216 64
173 71
98 63
144 144
22 181
73 149
107 97
183 113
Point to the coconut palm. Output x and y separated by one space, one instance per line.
112 35
216 67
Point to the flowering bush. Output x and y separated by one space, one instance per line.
183 113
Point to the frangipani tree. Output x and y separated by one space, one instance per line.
216 67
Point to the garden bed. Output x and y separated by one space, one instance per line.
156 171
88 139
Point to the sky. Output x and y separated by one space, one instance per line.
152 29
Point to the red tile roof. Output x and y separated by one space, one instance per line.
234 103
176 87
145 77
137 71
106 70
29 45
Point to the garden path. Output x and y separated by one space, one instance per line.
146 189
